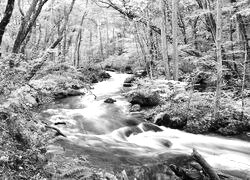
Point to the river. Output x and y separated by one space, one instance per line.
102 132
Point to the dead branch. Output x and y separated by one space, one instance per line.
207 168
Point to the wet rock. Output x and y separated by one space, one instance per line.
68 93
104 75
127 84
140 73
150 127
130 79
110 101
110 69
128 70
135 108
166 143
163 119
93 78
60 123
132 130
144 98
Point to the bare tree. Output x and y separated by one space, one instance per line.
27 22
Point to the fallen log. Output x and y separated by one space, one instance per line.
58 132
207 168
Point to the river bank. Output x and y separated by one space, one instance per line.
24 137
177 105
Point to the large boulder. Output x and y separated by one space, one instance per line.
163 119
144 99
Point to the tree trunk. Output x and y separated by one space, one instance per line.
141 45
150 47
164 41
101 42
90 45
243 82
6 19
219 58
78 43
207 168
107 37
43 59
175 38
209 19
182 27
243 32
27 23
194 31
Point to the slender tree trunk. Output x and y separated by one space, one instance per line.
209 19
164 41
194 31
107 37
101 42
243 31
175 38
78 43
219 58
90 45
150 45
144 54
78 50
64 42
243 81
182 28
6 19
137 50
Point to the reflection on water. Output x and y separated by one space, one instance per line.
109 134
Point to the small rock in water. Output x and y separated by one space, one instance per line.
127 84
130 79
110 100
166 142
150 127
132 130
60 123
135 108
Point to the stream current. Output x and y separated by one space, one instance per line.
100 131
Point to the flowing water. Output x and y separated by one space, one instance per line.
112 137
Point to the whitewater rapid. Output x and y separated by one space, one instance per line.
105 128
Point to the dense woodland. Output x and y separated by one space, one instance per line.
52 49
